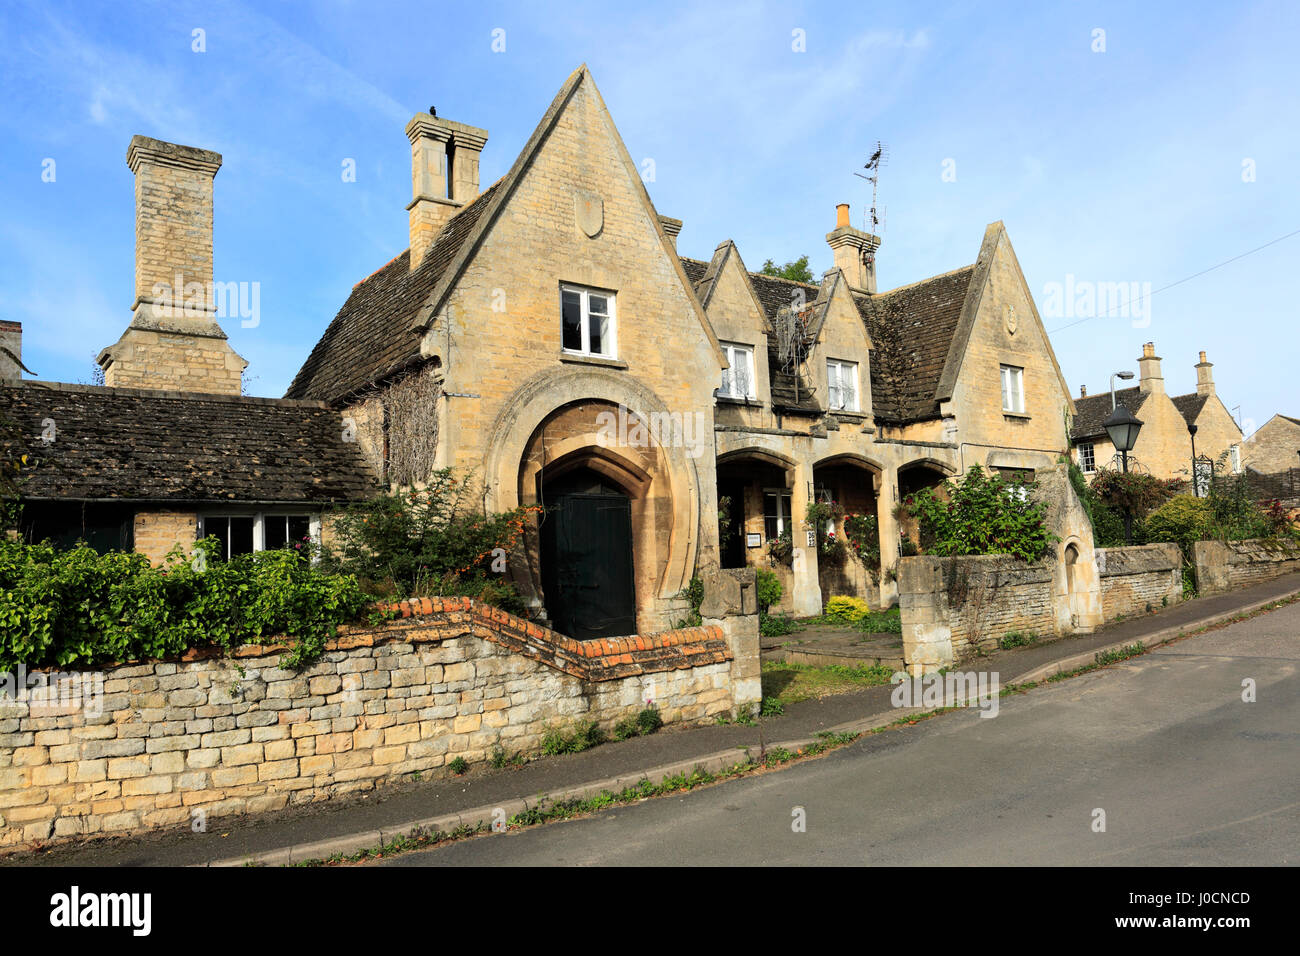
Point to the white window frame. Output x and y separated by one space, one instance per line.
1088 465
259 526
611 339
736 353
784 496
841 368
1013 389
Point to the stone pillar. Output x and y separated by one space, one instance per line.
807 597
886 501
923 605
731 602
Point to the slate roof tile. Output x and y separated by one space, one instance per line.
142 445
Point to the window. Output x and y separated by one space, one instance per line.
776 512
1087 458
738 380
842 385
247 533
1235 456
587 321
1013 389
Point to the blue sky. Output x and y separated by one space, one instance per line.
1133 164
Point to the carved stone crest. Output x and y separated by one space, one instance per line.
589 209
1012 322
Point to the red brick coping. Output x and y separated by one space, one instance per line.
431 620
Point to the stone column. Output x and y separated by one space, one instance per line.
807 597
886 501
731 602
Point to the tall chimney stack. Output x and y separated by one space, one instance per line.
855 252
174 341
444 175
671 228
1204 381
1149 378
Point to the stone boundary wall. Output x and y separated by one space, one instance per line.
951 606
1224 565
1139 578
211 736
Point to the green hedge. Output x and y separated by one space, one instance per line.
82 608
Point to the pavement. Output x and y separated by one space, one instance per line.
348 825
1156 761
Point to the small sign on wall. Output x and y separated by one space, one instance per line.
753 540
812 539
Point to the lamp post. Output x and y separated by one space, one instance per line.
1196 480
1123 427
1125 376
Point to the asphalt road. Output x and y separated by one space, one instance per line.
1186 772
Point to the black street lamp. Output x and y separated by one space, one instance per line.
1123 426
1196 481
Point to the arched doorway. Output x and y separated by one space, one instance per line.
850 485
587 565
914 477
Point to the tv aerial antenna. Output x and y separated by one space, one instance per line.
873 165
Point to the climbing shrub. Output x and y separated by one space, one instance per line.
982 514
81 608
767 589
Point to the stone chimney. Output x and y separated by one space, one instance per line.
174 341
671 228
1149 379
1204 381
11 350
1083 391
855 252
444 175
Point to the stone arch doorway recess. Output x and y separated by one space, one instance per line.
586 555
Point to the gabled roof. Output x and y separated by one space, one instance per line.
1189 406
1092 410
145 445
912 329
381 333
371 336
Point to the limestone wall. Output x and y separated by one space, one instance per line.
1221 566
1139 579
165 742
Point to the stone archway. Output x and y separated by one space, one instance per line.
587 418
854 483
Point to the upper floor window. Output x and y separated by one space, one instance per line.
738 380
842 385
1013 389
1087 458
587 321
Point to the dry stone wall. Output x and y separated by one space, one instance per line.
1223 565
163 744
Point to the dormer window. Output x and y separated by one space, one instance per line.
587 322
841 386
738 380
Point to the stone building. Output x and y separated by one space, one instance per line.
1164 444
544 335
168 450
1271 456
